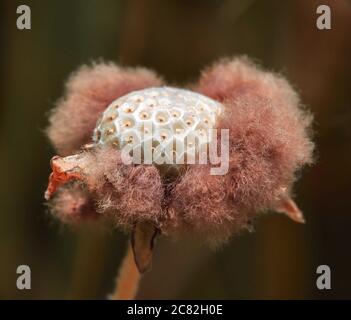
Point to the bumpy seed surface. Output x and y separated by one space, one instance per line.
171 123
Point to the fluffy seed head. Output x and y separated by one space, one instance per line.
269 142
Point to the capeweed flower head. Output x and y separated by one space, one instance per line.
108 109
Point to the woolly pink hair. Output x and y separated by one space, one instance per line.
88 92
269 143
127 194
72 204
201 205
269 130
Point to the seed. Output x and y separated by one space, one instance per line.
110 131
129 110
111 117
144 115
138 98
127 123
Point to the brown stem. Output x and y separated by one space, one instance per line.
128 279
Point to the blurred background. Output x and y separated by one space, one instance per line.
177 38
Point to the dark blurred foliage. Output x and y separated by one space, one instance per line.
176 38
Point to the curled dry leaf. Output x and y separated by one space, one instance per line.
289 207
64 169
143 238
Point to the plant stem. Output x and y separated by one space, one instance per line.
128 278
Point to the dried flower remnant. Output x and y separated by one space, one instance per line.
112 108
